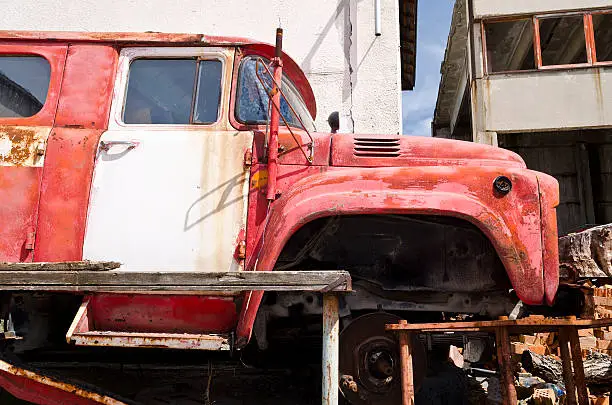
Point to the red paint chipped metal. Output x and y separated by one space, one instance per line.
40 389
349 174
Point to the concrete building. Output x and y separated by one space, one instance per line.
352 70
536 77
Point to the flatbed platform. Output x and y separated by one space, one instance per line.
107 277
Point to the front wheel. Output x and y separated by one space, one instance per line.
370 363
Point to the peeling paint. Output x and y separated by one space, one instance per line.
22 146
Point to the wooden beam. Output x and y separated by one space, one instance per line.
502 340
186 282
531 324
60 266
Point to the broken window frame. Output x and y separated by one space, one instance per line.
586 23
592 34
483 38
589 34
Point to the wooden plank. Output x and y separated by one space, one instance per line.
566 359
405 339
60 266
532 323
135 281
580 381
502 340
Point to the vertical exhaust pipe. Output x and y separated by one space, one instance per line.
377 29
275 117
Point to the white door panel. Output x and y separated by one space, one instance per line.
176 200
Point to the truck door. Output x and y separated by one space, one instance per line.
30 80
170 186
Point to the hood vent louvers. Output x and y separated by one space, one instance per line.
376 147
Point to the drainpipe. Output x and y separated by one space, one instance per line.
277 63
377 29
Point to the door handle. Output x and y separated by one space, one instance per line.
106 145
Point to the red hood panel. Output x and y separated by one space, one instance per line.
400 150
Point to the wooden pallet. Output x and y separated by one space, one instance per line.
567 328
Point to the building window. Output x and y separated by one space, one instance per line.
173 91
603 36
510 45
548 42
24 83
562 40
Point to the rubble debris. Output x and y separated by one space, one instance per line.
544 396
602 400
455 356
597 368
586 254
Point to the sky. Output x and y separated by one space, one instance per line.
433 25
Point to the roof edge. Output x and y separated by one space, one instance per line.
124 37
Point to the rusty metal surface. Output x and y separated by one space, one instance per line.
162 313
331 330
64 194
371 359
87 87
120 37
200 166
386 150
40 389
169 322
83 111
19 190
23 145
181 341
512 222
549 199
22 155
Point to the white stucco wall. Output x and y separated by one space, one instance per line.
328 38
542 101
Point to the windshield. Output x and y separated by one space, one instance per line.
252 104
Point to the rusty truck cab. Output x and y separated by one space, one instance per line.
151 150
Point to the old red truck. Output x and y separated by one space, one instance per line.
163 152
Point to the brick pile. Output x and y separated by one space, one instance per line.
599 340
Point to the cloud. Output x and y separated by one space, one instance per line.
418 105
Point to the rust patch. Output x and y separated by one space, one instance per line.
599 92
22 146
43 382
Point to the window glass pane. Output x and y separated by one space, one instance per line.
602 24
562 40
252 105
510 46
160 91
209 92
24 82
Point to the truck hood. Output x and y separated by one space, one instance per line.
360 150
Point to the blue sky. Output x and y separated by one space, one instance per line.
433 25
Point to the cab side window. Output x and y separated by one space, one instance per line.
252 105
173 91
24 83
